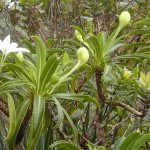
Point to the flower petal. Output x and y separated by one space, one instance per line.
11 48
21 50
6 42
2 48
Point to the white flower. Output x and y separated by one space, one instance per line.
7 47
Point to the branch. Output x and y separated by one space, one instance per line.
117 126
128 108
98 75
63 135
112 131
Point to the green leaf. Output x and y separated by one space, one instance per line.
41 59
129 141
75 131
29 46
47 119
102 41
71 41
140 141
48 71
91 146
101 148
145 36
137 44
34 137
32 67
116 46
50 42
64 145
81 104
147 20
66 58
137 31
80 31
135 56
144 50
110 42
78 96
20 114
76 114
118 143
20 72
94 44
60 113
12 117
143 22
12 84
38 112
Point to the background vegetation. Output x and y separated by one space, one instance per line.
49 100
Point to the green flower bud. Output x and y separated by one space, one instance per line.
83 56
20 56
78 36
124 19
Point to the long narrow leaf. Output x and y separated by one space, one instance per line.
20 72
41 59
60 113
48 71
130 139
12 117
102 41
20 114
33 137
38 112
80 31
12 84
135 56
72 126
64 145
29 46
118 143
144 138
77 96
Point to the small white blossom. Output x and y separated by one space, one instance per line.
7 47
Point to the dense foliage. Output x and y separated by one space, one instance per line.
83 79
